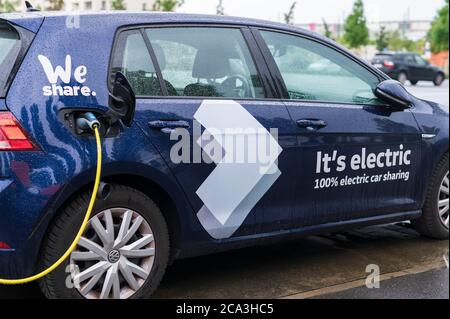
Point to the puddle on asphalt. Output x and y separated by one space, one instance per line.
301 265
291 267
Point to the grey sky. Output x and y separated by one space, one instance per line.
308 11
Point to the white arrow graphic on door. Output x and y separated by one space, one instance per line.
233 189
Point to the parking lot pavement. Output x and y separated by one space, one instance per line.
291 270
295 269
432 284
427 91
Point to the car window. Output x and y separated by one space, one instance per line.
132 58
205 62
409 59
313 71
419 60
9 50
383 57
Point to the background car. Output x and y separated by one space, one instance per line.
408 66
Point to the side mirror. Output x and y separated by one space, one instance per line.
122 101
394 93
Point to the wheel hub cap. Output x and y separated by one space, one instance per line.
115 255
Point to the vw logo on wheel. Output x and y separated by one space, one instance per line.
113 256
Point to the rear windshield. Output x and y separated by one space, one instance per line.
383 57
9 50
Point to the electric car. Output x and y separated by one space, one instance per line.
345 146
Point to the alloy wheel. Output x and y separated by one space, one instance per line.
443 200
115 256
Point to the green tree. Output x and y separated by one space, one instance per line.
438 34
7 6
55 5
220 10
397 42
167 5
382 40
289 16
356 33
117 5
327 32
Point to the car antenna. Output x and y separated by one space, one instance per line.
30 7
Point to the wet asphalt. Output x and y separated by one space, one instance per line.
431 284
314 264
429 92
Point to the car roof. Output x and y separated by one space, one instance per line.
154 17
138 18
112 20
396 53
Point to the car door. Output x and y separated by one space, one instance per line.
415 72
205 101
355 158
424 69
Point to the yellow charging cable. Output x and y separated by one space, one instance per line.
82 228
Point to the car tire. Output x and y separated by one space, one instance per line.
402 77
432 223
413 82
439 79
139 207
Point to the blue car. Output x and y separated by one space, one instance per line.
218 133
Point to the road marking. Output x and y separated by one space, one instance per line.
362 282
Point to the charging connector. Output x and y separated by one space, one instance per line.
87 122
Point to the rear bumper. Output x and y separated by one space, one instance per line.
22 208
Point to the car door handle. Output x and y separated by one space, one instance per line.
311 124
168 126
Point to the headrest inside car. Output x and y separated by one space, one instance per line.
211 63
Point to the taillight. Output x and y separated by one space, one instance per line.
12 136
4 246
389 64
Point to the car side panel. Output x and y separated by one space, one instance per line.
432 119
35 184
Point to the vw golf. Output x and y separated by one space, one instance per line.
347 146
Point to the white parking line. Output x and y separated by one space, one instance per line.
362 282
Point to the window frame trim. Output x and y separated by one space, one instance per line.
155 62
260 64
278 78
114 54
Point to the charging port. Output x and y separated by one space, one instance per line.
78 123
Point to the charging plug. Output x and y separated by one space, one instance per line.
86 122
